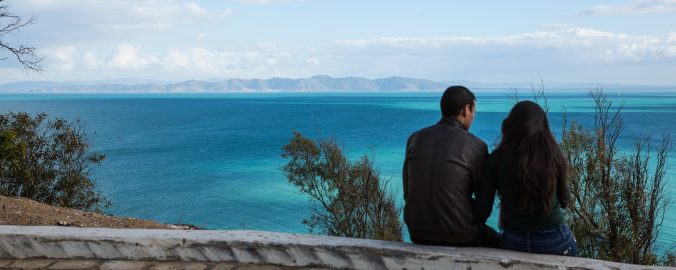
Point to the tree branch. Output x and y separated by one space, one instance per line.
25 55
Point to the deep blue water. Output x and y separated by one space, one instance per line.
214 160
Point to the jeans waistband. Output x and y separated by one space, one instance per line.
561 229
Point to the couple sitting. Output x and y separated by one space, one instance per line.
450 181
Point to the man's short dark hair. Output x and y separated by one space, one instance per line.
454 99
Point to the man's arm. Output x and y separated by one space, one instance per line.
405 169
484 188
478 164
405 177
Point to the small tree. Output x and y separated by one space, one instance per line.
12 23
619 200
352 201
48 160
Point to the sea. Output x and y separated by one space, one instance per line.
214 159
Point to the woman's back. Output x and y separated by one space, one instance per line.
500 162
529 172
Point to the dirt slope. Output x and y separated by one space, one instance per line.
25 212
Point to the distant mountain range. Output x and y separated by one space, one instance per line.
321 83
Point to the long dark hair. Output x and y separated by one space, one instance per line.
538 164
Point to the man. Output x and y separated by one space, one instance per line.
442 166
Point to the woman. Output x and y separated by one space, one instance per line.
529 172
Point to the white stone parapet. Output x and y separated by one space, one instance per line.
268 249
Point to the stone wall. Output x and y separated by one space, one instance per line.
57 247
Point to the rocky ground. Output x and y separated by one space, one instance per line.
25 212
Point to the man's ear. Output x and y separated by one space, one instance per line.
465 110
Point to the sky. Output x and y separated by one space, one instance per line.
496 41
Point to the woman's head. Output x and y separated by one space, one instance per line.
538 162
524 121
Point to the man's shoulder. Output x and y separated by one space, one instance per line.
419 132
465 136
476 140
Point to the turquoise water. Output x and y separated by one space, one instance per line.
214 160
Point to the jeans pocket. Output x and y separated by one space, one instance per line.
565 246
513 242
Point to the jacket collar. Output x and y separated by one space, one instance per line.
451 121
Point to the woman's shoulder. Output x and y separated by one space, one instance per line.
502 151
501 157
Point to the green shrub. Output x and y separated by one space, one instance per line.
349 198
48 160
619 200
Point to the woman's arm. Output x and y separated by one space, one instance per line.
562 191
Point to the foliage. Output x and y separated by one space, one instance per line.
48 160
12 23
619 200
350 199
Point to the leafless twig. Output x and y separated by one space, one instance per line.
26 55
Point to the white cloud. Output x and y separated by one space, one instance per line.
570 54
200 37
264 2
637 7
578 42
61 58
128 57
197 60
312 61
176 60
90 61
119 16
670 48
222 61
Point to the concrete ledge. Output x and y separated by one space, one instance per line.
265 248
134 265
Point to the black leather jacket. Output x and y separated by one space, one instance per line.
442 166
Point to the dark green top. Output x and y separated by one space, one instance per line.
497 175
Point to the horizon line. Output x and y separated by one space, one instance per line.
450 82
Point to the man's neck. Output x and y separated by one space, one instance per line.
453 120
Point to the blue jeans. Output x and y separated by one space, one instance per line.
558 241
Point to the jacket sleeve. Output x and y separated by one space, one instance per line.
405 177
482 204
478 165
405 169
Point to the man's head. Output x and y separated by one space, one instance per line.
459 103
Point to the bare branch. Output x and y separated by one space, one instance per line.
25 55
620 199
514 94
539 92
